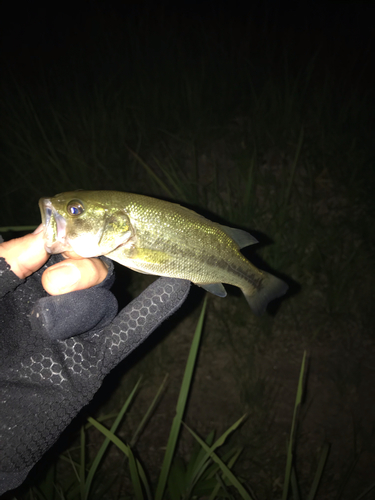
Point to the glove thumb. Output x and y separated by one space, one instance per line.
63 316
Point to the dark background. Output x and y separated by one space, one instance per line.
83 54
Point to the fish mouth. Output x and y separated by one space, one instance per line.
54 228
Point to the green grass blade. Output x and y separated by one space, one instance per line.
102 418
228 458
198 462
197 456
47 488
82 466
319 472
289 461
230 464
135 475
177 480
180 408
228 473
220 484
74 465
126 450
147 414
294 485
72 489
106 442
200 468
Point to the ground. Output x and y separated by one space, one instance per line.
259 377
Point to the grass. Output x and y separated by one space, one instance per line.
205 475
239 126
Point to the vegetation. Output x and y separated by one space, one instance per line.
205 475
237 122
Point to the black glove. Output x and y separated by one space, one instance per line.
46 377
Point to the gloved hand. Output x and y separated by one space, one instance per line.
55 352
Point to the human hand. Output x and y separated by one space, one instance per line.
78 297
27 254
46 377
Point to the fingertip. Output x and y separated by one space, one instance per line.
73 274
25 255
61 278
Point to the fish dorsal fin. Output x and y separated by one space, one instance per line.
242 238
215 288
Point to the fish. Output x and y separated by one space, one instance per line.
156 237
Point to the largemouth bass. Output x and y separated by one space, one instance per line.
152 236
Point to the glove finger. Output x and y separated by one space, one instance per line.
141 317
63 316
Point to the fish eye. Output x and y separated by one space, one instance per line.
75 208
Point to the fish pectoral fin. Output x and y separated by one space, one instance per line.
215 288
149 256
242 238
133 257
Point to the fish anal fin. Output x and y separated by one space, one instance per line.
215 288
242 238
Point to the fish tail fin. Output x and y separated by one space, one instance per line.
271 288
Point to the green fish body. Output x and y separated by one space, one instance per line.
156 237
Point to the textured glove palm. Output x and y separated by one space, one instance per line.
46 375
